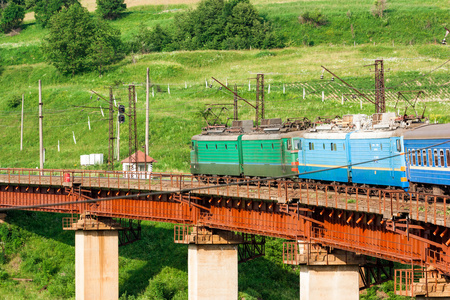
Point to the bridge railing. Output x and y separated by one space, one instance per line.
419 206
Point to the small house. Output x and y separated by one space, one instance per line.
143 162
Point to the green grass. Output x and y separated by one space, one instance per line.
176 117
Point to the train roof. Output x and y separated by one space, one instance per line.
249 136
376 134
204 137
427 132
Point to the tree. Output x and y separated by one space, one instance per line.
12 17
45 9
110 9
77 43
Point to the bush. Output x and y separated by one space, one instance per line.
110 9
14 102
12 17
315 18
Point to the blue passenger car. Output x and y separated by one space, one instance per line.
428 154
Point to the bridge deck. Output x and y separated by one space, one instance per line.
388 202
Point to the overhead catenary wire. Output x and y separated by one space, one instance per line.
189 190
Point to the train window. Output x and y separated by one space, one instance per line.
207 146
408 157
323 146
216 146
430 158
419 158
381 146
424 157
272 146
448 157
192 146
331 146
261 146
441 154
310 146
289 144
299 145
399 146
413 157
235 146
226 146
436 158
370 147
343 145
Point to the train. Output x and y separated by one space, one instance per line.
381 150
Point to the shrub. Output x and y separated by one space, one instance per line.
12 17
378 8
110 9
315 18
45 9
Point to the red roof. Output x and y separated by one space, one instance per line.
140 158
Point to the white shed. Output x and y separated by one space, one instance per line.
144 165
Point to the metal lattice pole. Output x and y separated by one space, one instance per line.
111 132
380 100
259 98
132 130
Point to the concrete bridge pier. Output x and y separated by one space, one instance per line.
328 274
96 258
212 264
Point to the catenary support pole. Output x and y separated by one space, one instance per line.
21 126
147 111
41 142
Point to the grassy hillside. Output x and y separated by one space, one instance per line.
175 117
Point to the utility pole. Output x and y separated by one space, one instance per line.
380 100
118 138
21 126
259 98
41 142
111 131
146 114
235 117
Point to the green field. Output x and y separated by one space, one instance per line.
407 39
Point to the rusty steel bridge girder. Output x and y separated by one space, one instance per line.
322 213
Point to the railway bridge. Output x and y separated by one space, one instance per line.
344 238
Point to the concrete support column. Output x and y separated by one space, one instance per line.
96 265
213 272
337 282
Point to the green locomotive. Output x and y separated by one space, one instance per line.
241 150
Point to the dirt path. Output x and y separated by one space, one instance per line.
91 4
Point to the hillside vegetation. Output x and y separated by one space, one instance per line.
407 38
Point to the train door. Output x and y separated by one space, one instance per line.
240 154
348 155
394 142
284 148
